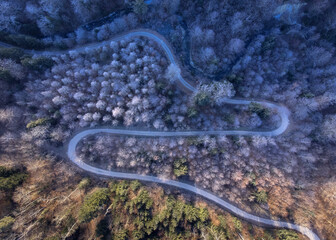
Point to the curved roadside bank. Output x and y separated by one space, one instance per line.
188 87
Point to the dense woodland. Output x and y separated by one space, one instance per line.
41 203
280 51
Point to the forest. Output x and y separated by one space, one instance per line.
66 66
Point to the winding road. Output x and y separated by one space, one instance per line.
282 111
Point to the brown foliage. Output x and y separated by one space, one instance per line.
326 209
280 201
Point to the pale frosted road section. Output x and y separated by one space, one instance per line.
71 152
281 110
160 40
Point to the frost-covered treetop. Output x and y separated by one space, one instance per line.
217 91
